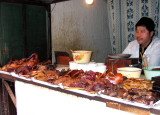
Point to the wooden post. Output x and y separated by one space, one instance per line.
1 109
10 92
5 102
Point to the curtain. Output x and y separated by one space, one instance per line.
124 14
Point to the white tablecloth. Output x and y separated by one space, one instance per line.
37 100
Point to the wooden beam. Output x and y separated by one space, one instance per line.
10 92
38 3
127 108
5 104
1 108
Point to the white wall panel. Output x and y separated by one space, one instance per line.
77 26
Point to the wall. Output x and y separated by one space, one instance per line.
23 31
11 29
77 26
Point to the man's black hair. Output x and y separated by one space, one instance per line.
146 22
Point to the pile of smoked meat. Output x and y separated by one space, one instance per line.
115 85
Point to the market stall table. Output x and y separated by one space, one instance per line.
38 98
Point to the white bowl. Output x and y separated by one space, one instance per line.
130 72
151 73
81 56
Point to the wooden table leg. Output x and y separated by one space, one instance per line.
5 104
1 109
10 92
6 98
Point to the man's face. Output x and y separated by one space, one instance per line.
143 36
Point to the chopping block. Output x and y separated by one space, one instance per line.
113 64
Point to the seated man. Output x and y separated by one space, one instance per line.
146 43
